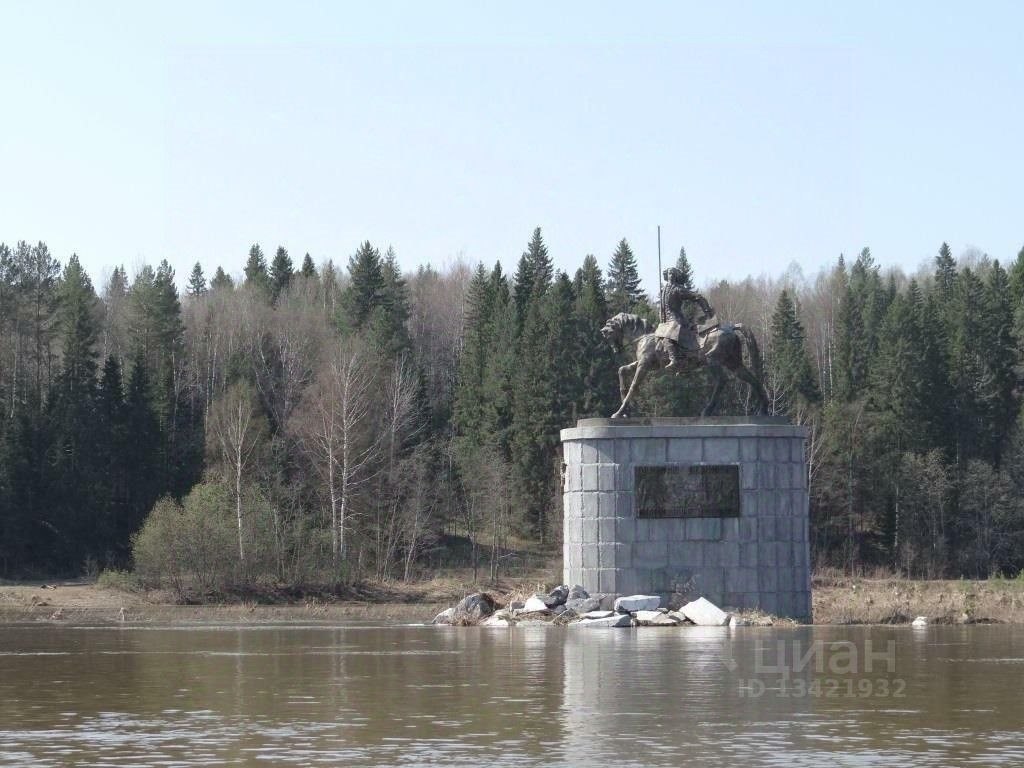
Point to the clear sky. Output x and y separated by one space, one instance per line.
757 134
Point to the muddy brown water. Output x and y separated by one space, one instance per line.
410 695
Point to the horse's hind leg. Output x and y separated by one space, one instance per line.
718 377
638 378
745 374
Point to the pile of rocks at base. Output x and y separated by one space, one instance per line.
574 607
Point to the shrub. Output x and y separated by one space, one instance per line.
191 545
123 581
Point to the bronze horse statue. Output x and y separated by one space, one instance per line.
721 350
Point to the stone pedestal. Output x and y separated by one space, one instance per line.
729 519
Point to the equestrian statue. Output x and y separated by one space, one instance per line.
683 343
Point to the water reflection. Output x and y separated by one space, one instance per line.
425 696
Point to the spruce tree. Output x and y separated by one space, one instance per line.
221 281
365 289
197 281
532 419
391 315
499 379
623 291
533 275
256 275
998 352
596 364
71 411
790 366
563 354
281 272
683 265
471 403
308 269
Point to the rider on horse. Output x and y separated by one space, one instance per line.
678 327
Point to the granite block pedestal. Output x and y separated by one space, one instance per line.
689 507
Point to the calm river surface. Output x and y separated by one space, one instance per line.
402 695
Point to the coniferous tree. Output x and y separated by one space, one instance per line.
499 372
597 369
563 355
390 317
71 411
197 281
308 268
281 272
471 402
795 386
533 275
623 291
221 281
365 289
998 352
256 274
683 265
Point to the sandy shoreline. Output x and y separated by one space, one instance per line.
838 600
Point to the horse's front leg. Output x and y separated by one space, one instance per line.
638 378
623 370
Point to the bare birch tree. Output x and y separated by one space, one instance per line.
335 429
235 430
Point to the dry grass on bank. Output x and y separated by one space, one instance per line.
838 599
102 601
886 599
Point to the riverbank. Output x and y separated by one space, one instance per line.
837 600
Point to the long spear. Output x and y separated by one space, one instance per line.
661 303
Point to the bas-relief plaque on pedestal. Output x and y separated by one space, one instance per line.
697 490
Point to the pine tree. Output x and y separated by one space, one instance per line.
683 265
533 275
861 311
256 274
114 446
145 478
500 371
532 423
281 272
197 281
72 422
563 355
596 364
998 352
390 317
795 386
221 281
365 289
623 291
308 269
471 404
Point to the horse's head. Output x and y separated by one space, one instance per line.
611 332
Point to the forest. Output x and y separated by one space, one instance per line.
327 424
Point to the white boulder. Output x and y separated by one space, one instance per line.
736 621
534 603
654 619
704 613
637 603
920 621
615 620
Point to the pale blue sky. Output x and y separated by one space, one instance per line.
757 134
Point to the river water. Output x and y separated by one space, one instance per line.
405 695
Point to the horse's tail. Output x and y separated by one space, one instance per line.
755 351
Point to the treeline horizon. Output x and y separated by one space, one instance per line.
313 424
